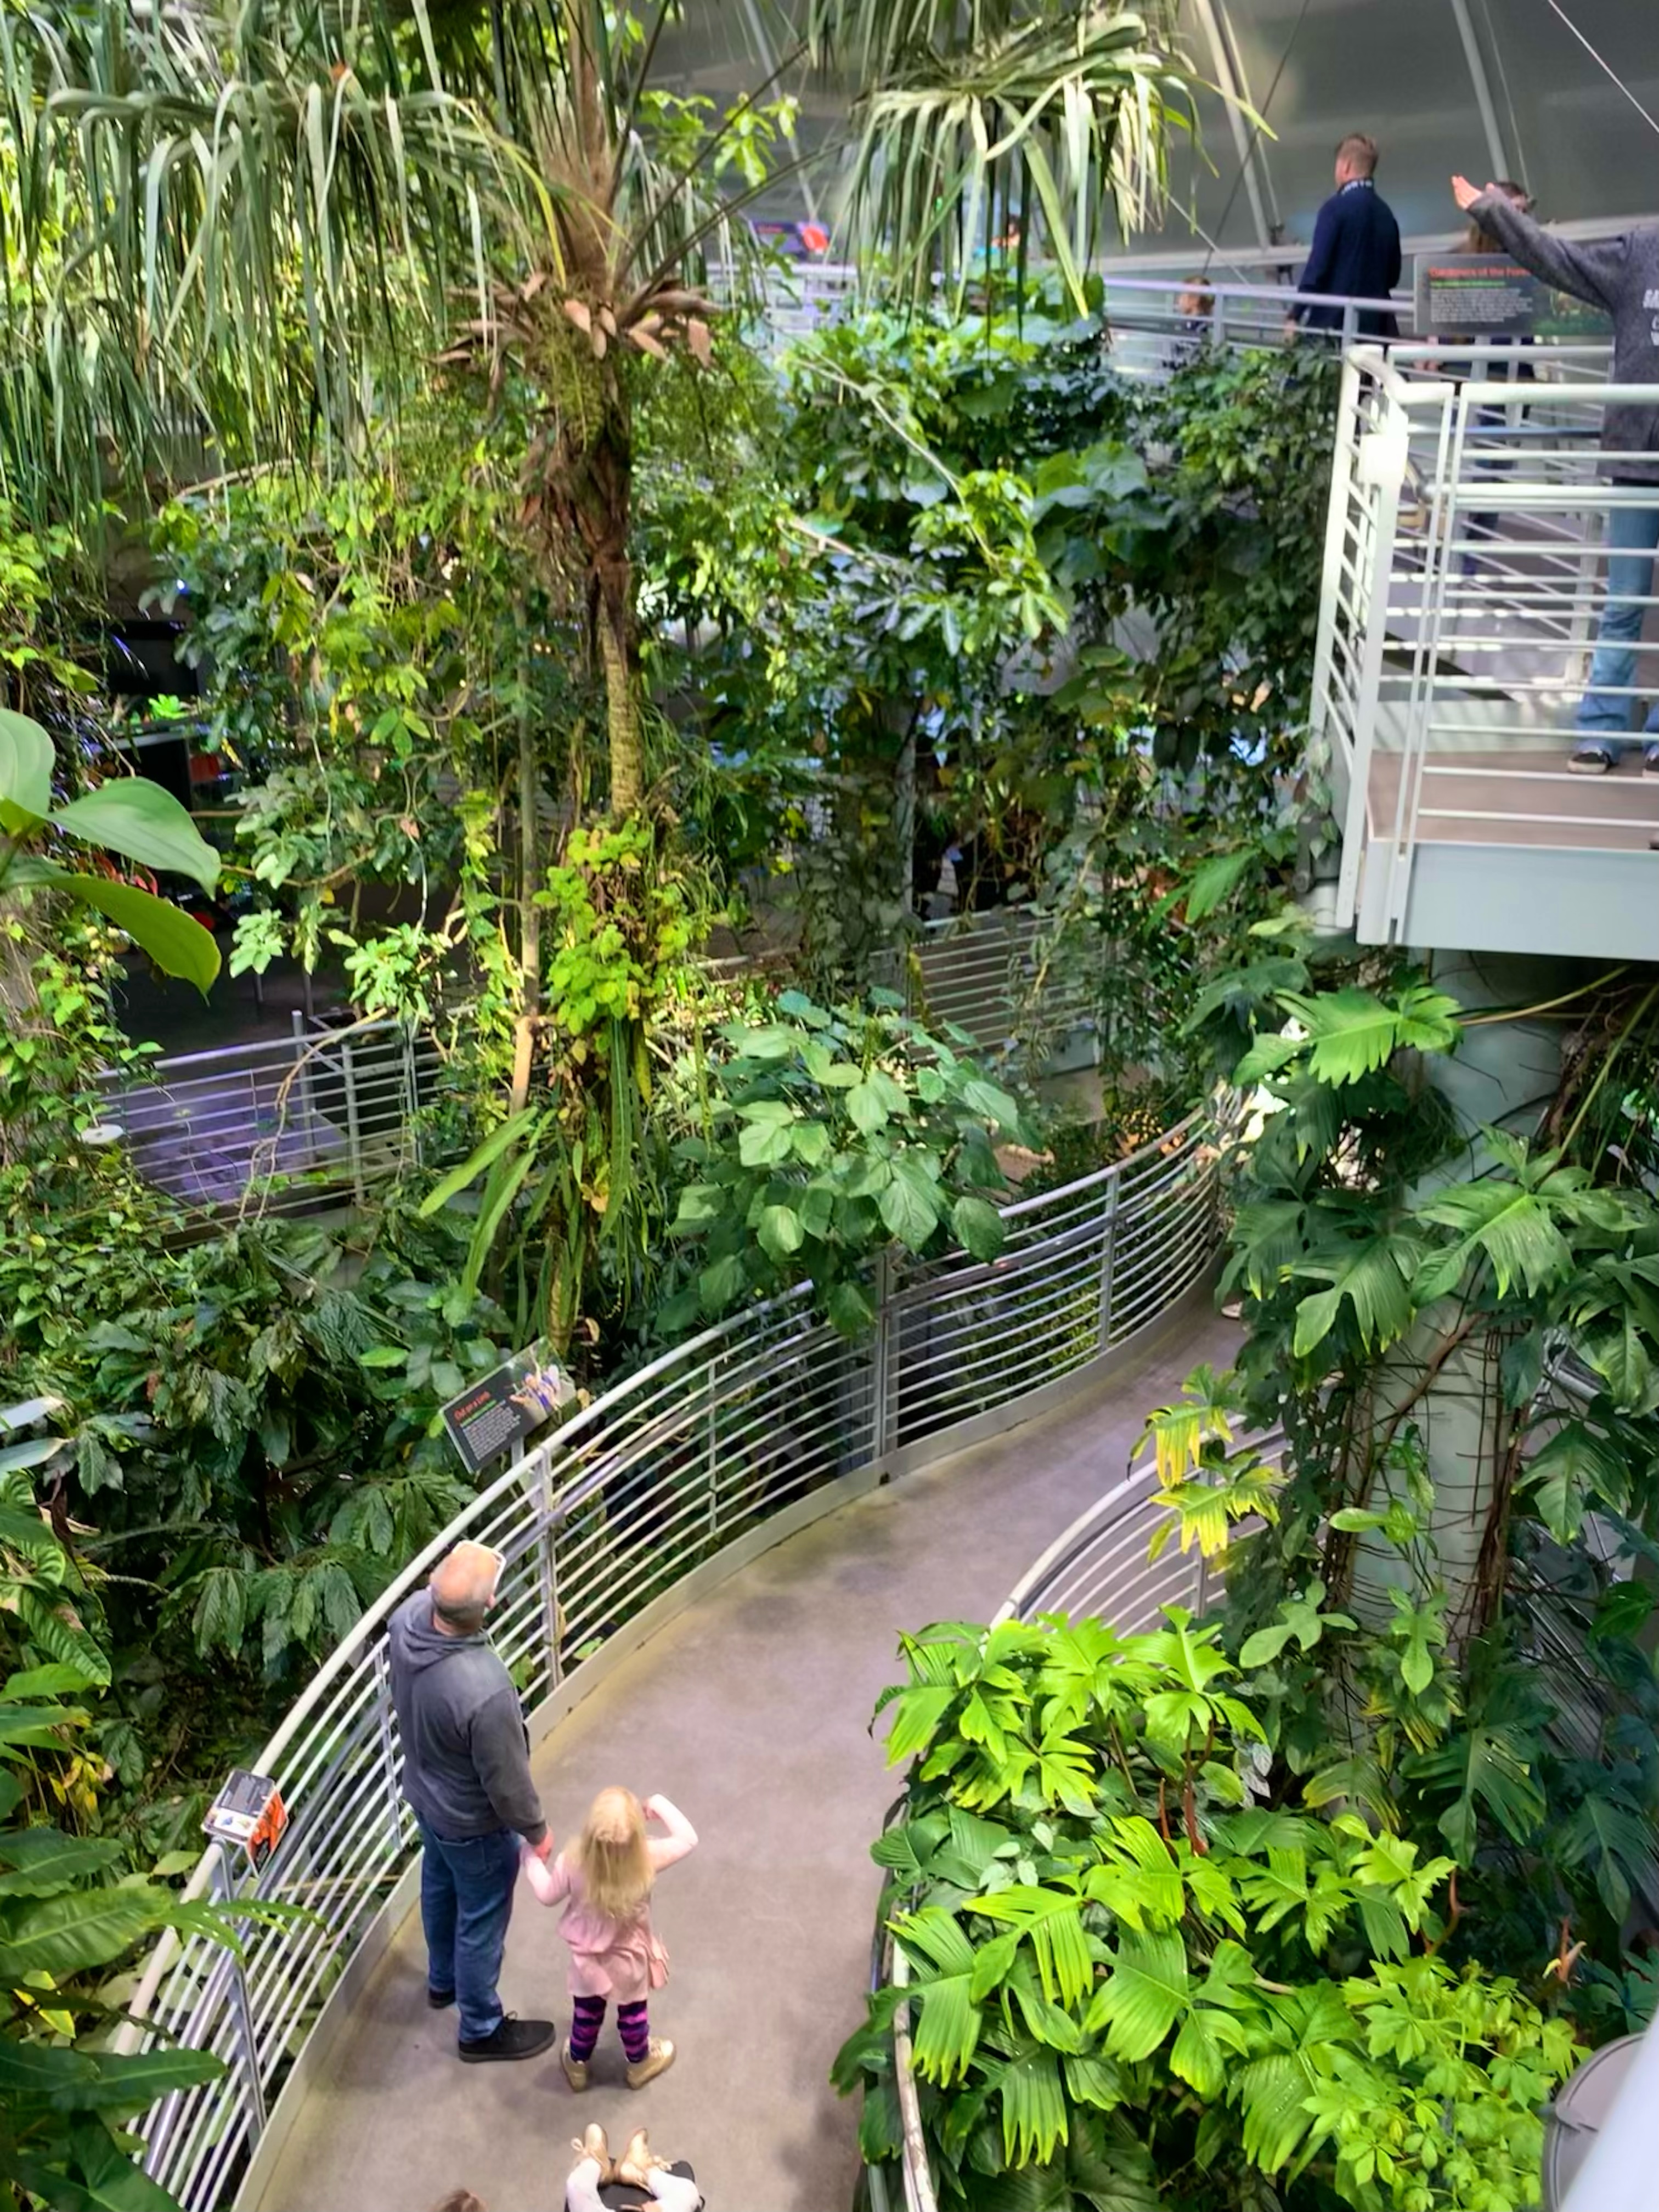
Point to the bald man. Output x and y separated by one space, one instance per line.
466 1773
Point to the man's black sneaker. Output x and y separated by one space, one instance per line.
513 2039
440 1999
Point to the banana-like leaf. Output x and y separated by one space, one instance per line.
179 945
132 816
26 762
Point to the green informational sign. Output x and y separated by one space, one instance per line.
1475 296
1562 317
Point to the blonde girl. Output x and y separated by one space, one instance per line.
604 1881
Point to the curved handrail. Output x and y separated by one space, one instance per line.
682 1465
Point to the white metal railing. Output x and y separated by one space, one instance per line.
277 1122
1152 324
663 1474
1465 587
981 971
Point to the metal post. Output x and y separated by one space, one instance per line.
307 1097
411 1094
711 1466
1108 1248
881 1363
385 1715
546 1565
1382 471
354 1140
224 1888
1483 99
1246 137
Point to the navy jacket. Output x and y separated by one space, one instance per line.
1355 255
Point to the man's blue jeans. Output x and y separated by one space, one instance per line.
1604 710
466 1901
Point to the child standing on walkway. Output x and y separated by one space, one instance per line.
604 1881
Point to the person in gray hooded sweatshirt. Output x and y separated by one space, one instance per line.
1620 275
466 1774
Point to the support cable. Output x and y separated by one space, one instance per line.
1605 65
1257 127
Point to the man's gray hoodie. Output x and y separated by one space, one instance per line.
466 1758
1620 275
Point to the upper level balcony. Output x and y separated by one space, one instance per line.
1466 587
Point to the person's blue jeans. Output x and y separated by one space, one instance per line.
466 1901
1604 710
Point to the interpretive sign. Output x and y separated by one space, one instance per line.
249 1814
1474 295
499 1411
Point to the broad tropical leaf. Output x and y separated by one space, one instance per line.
26 764
1146 1992
1351 1033
136 818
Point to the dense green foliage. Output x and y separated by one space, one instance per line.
827 1136
1139 1980
1139 1879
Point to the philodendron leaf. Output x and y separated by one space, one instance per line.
25 774
137 818
179 945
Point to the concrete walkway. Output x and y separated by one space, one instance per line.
752 1711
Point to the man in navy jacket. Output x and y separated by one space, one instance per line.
1356 247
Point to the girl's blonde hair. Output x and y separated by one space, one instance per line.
613 1856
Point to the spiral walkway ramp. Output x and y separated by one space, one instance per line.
751 1711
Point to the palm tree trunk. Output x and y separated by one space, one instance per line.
621 702
529 920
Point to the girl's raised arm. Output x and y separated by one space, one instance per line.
681 1838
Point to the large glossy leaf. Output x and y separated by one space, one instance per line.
1514 1228
1033 2107
1351 1033
136 818
26 761
61 1935
909 1205
179 945
41 1861
1573 1470
87 2081
979 1227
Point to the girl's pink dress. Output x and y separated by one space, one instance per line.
620 1960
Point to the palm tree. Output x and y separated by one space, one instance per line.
242 216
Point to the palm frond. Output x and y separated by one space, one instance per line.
971 118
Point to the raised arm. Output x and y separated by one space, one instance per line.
1595 273
682 1837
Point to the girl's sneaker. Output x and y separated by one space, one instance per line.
1650 759
575 2070
658 2060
